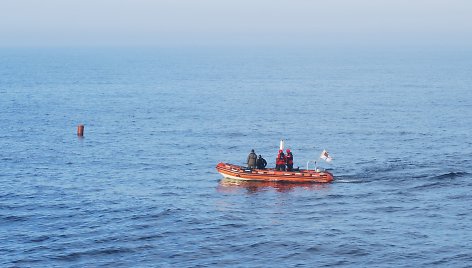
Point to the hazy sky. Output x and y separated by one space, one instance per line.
241 22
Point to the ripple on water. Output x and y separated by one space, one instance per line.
141 188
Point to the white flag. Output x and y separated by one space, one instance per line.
325 156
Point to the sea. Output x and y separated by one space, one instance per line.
140 188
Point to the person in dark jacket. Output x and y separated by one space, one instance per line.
289 160
252 159
261 162
280 161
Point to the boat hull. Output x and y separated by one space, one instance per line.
236 172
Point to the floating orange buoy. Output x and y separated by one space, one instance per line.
80 130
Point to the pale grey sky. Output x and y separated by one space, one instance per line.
241 22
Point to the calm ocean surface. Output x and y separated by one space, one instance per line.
141 190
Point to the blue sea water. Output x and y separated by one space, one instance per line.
140 188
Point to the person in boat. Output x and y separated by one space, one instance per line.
280 161
289 160
261 162
252 159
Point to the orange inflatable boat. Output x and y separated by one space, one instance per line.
303 175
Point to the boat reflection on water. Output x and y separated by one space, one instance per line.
227 185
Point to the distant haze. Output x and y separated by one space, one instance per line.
231 22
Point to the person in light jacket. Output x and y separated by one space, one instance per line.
252 159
